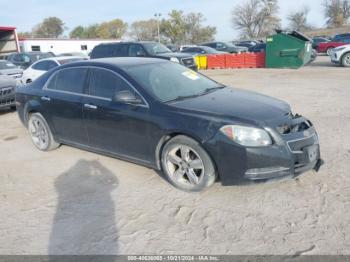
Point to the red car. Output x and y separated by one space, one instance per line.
326 47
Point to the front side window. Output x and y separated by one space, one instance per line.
169 81
156 48
69 80
105 83
136 50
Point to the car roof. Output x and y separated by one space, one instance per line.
120 62
129 42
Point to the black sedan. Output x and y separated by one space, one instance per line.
165 116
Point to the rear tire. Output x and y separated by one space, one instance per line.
186 165
40 133
345 61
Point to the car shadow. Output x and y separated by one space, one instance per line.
6 110
84 223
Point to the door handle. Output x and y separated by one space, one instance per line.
90 106
45 98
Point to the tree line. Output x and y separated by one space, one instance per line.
253 19
177 28
259 18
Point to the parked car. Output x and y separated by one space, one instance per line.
247 44
7 91
162 115
341 55
340 37
326 47
258 48
173 48
42 66
182 47
79 54
317 40
226 47
8 68
142 49
24 60
201 50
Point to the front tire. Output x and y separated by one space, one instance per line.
329 50
187 165
346 60
40 133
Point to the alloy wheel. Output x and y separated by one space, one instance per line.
38 133
184 165
346 60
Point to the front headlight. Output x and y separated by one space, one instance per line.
247 136
174 59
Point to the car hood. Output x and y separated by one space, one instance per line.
14 71
233 103
6 81
178 55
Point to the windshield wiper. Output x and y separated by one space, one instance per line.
182 98
210 89
206 91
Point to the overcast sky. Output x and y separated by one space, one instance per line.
25 14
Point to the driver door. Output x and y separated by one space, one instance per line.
115 127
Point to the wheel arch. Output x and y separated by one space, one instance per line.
342 56
165 138
31 107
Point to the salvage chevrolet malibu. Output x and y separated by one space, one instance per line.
165 116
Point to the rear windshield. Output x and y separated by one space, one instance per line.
70 60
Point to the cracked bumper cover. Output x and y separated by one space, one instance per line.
289 156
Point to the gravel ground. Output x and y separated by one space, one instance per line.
71 201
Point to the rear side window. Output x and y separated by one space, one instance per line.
102 51
105 83
69 80
45 65
114 50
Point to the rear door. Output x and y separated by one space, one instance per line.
116 127
63 104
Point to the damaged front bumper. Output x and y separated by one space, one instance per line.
295 150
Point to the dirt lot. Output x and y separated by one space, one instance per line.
74 202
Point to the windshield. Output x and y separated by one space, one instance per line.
6 65
156 48
170 81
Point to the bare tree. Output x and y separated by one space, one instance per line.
256 18
337 12
144 30
298 20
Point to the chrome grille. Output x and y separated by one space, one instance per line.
6 91
188 61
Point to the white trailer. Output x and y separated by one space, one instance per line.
59 46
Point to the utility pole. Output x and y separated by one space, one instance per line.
157 16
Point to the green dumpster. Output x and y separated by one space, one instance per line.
288 50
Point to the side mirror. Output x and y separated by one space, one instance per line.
127 97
